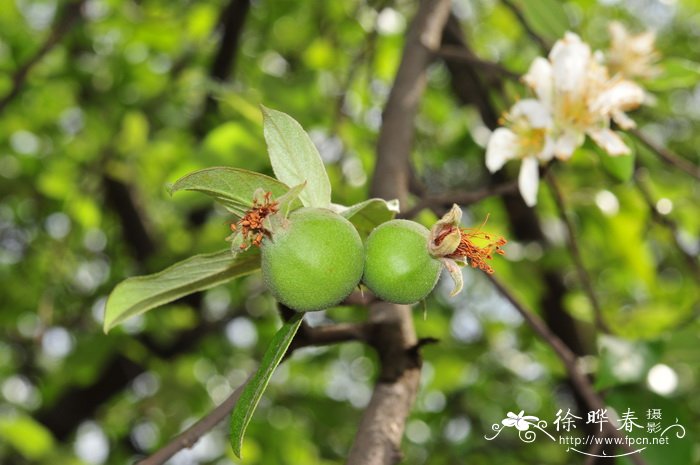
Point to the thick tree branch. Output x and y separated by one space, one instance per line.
64 22
120 199
378 439
392 171
576 254
453 53
232 20
467 82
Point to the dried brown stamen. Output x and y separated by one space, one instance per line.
474 254
251 225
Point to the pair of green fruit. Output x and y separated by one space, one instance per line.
317 258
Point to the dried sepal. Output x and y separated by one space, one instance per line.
457 247
455 271
445 234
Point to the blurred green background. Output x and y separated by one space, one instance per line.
130 95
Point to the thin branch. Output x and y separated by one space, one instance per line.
191 435
64 23
666 155
309 336
455 53
578 379
316 336
665 221
583 275
462 198
541 42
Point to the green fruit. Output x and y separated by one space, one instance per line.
398 266
313 260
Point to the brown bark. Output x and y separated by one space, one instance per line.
378 439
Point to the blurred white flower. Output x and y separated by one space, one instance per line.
525 137
582 98
632 56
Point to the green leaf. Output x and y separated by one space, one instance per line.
253 391
677 73
294 158
367 215
620 167
547 17
142 293
30 438
232 187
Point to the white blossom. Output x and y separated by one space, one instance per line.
525 137
632 56
582 98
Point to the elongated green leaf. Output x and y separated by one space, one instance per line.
232 187
253 391
677 73
367 215
142 293
547 17
294 158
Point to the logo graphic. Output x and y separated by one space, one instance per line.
611 430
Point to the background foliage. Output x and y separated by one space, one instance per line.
129 96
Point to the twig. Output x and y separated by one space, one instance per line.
63 24
541 42
380 432
463 198
191 435
666 155
309 336
665 221
578 379
454 53
583 275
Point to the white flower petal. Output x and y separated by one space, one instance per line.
502 146
617 31
509 422
567 142
534 111
622 120
609 141
547 152
528 180
570 59
623 95
539 79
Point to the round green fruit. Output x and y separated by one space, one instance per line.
313 261
398 266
